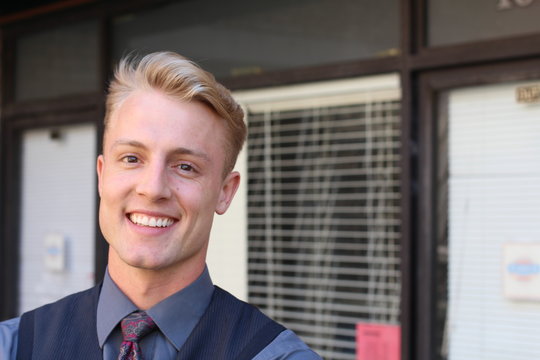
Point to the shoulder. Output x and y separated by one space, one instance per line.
79 300
242 315
229 302
54 317
242 318
287 346
68 318
9 331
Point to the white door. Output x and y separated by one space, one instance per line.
57 233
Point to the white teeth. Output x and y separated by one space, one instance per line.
150 221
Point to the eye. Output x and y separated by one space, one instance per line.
185 167
130 159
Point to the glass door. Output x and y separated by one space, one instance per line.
488 232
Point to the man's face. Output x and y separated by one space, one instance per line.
161 180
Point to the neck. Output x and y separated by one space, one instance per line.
147 287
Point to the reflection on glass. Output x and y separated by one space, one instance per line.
249 37
461 21
57 62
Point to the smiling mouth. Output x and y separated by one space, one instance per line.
150 221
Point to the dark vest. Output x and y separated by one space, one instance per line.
229 329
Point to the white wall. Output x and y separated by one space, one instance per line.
227 253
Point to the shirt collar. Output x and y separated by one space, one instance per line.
175 316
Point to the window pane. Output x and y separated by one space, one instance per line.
324 214
493 184
249 37
460 21
58 62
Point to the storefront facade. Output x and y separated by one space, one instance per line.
391 171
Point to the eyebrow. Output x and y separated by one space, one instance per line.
177 151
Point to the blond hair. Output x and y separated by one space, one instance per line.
183 80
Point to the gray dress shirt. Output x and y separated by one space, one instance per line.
176 317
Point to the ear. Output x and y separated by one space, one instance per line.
228 189
99 168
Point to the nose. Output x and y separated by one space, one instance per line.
153 182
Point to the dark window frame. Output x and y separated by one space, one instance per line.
11 191
19 116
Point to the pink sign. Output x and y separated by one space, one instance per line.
378 342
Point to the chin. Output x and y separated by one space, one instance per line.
143 262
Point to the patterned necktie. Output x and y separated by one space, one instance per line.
134 327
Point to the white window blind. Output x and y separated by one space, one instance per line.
493 200
324 208
57 198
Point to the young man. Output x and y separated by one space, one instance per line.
172 135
